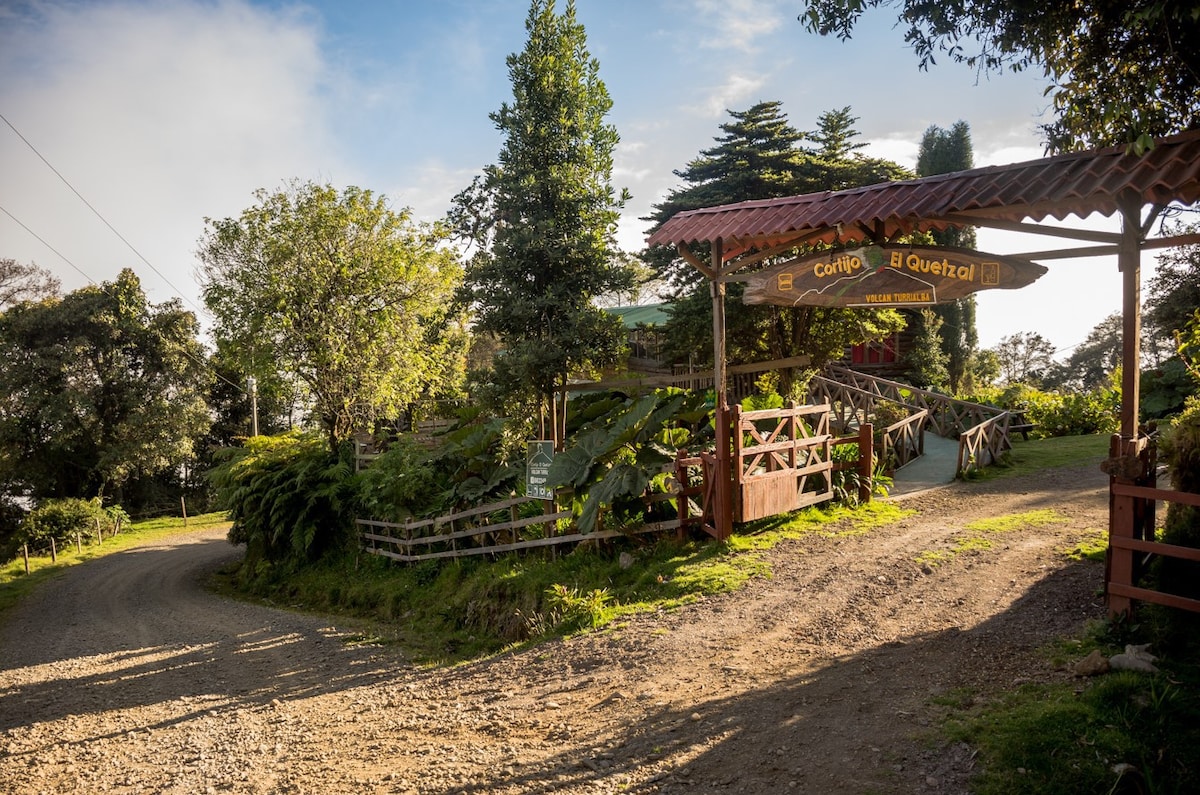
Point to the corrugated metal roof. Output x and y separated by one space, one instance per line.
1079 183
641 314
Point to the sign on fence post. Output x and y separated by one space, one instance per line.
537 470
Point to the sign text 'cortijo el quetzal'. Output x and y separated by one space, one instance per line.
886 276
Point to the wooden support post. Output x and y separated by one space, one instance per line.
723 508
25 554
53 551
1123 510
866 461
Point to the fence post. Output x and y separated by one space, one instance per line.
1122 520
25 554
53 551
866 461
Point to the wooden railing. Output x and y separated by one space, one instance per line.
740 379
904 441
982 431
983 444
947 417
852 407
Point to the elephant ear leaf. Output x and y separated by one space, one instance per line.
574 466
623 480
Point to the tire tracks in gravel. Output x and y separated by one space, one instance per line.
126 676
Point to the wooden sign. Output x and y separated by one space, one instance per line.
887 276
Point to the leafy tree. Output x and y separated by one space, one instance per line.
984 368
926 362
20 282
338 295
1025 358
760 157
1121 71
545 218
97 389
1174 292
1091 365
942 152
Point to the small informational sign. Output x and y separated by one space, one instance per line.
537 470
887 276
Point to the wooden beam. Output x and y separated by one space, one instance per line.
694 261
1091 235
723 508
1070 253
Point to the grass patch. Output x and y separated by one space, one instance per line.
15 583
444 612
1034 455
1094 548
975 540
1121 732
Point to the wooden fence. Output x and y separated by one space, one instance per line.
1133 496
499 527
740 383
475 532
982 431
852 407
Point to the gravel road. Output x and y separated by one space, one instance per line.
125 675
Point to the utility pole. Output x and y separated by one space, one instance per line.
252 383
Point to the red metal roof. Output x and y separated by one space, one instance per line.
1079 183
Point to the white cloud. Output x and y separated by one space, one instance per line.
740 24
159 115
730 95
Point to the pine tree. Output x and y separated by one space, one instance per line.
943 152
761 156
545 217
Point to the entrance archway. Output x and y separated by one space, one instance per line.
1020 197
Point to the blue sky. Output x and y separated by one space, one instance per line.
163 113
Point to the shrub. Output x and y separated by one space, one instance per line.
1180 448
288 497
62 519
1057 414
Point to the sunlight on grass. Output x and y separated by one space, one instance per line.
1017 521
974 542
1028 457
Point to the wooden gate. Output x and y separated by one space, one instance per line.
781 460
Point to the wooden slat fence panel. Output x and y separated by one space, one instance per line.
782 460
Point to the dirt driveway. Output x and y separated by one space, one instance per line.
126 676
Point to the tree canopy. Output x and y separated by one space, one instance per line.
761 156
1120 71
97 388
1025 358
544 217
22 282
336 293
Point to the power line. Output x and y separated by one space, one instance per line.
42 240
95 212
200 362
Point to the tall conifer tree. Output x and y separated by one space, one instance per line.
942 152
545 217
